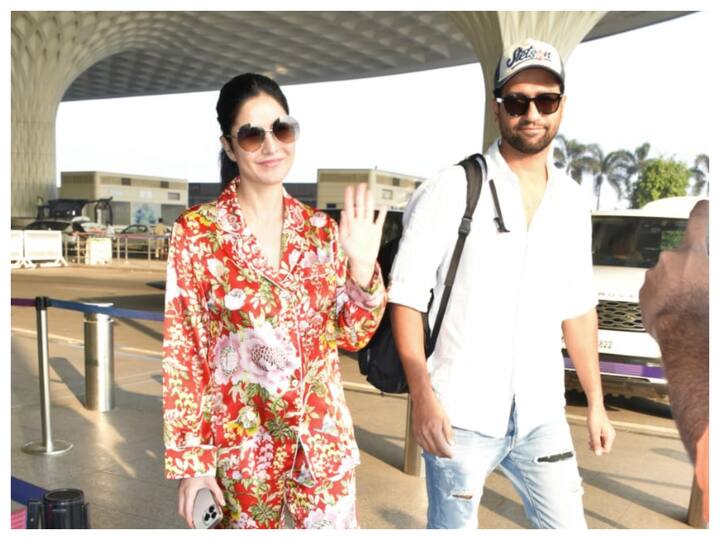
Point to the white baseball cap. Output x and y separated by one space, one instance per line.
526 54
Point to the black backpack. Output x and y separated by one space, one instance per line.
379 360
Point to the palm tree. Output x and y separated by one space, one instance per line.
568 154
641 157
701 173
613 168
638 159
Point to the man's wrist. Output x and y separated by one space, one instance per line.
420 387
595 400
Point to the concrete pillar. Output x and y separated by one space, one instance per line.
49 50
490 32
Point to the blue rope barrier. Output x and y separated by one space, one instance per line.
115 312
121 313
24 302
22 491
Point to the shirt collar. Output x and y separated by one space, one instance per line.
493 155
231 218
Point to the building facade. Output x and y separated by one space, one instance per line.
135 198
391 189
200 192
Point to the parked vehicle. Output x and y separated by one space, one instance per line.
137 228
117 229
96 229
65 227
138 237
625 244
49 225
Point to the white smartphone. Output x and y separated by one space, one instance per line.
206 513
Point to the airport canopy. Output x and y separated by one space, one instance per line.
76 55
199 51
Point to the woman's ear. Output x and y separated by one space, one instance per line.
227 148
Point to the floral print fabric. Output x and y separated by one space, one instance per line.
250 365
265 502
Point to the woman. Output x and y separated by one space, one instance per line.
261 290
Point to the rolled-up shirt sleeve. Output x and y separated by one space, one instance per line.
430 226
580 293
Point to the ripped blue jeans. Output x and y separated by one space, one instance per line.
541 466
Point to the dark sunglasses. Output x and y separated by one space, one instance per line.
518 104
251 137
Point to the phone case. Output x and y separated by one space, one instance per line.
206 513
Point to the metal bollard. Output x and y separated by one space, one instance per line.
99 362
47 446
413 463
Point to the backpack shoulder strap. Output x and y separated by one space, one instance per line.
475 170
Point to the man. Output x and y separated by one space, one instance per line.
492 392
159 231
675 306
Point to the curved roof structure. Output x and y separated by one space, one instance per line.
194 51
78 55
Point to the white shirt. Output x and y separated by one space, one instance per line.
501 336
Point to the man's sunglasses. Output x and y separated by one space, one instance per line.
518 104
251 137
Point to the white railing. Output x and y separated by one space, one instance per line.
29 249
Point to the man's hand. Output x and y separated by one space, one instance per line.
675 306
431 426
601 434
582 344
676 289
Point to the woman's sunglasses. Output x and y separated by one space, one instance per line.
250 137
518 104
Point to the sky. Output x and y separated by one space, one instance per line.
622 90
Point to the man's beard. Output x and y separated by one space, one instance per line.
519 143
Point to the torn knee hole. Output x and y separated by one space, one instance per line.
554 458
465 495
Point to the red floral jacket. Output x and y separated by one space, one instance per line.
250 354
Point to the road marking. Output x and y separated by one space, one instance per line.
155 354
368 389
79 342
631 426
53 337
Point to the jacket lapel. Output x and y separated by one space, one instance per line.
244 246
295 237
